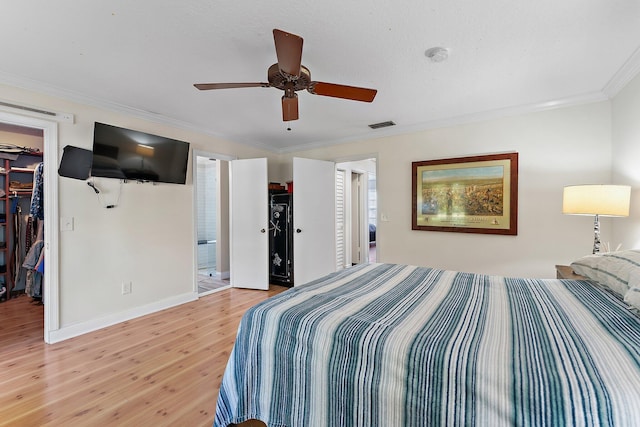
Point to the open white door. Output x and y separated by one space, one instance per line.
314 243
249 261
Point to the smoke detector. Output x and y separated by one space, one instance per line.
437 54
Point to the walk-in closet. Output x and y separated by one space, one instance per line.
21 217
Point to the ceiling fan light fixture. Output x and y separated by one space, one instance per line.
437 54
290 107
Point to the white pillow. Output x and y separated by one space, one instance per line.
611 270
632 297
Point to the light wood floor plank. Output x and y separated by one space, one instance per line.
161 369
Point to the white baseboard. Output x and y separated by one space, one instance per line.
223 275
71 331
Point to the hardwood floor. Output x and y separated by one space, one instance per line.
207 283
163 369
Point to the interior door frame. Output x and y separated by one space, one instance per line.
357 158
194 179
51 292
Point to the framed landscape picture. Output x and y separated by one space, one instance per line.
477 194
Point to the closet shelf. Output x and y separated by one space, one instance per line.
20 193
22 170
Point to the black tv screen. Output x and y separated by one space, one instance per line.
133 155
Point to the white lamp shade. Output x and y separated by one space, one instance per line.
605 200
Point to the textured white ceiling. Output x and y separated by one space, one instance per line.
143 57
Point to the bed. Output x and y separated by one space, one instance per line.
400 345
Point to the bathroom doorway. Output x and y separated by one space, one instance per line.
211 182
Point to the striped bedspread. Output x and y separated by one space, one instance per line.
395 345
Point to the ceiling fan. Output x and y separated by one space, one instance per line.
291 76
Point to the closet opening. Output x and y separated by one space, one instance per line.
22 230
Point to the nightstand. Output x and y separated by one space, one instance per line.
566 272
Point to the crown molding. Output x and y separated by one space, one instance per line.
624 75
67 95
457 120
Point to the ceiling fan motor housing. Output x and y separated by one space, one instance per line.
283 81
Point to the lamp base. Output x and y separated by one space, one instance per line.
596 235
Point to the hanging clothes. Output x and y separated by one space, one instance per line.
18 256
37 194
29 234
34 259
25 233
33 262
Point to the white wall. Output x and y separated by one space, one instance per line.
556 148
626 160
14 135
147 239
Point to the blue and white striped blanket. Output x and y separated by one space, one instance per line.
394 345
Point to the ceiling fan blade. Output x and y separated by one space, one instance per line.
290 108
209 86
288 51
342 91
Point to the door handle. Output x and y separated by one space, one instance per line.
263 231
298 230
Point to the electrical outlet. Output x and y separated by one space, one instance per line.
126 288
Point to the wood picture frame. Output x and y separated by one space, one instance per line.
475 194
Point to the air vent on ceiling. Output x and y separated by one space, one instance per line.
382 125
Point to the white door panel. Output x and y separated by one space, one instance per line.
314 244
248 224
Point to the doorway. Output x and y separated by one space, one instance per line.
50 292
356 212
211 190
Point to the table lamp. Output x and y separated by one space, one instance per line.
597 200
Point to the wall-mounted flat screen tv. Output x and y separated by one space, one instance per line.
138 156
